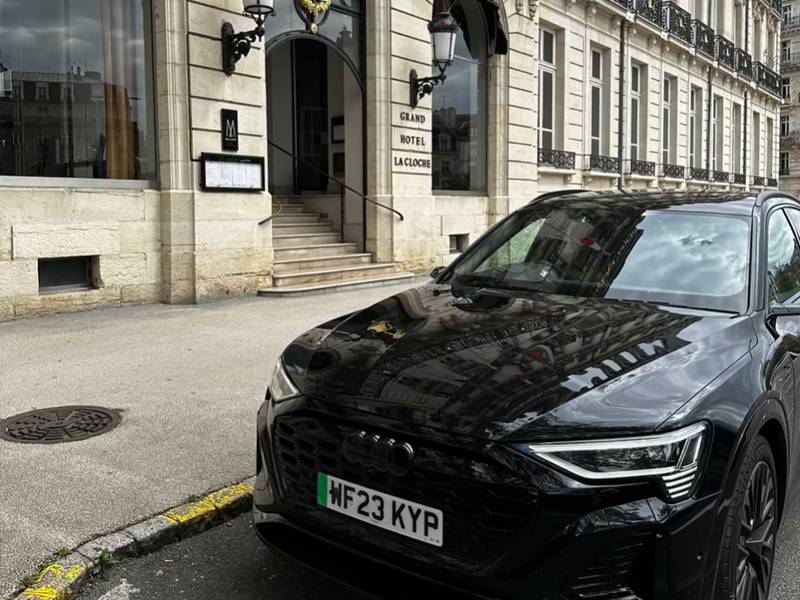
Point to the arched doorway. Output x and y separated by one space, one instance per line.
316 113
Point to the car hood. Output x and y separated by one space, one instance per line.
517 368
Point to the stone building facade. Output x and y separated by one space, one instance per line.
107 144
789 159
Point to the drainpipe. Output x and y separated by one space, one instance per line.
621 107
709 108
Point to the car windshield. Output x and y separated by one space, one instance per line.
686 259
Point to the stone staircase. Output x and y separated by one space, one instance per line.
310 256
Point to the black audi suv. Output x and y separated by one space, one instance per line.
595 401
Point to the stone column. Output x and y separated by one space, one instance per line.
177 198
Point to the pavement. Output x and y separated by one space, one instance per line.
230 562
188 380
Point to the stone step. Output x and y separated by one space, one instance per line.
296 219
291 291
319 276
315 263
288 209
300 228
305 239
317 251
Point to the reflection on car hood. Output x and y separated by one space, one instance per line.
539 367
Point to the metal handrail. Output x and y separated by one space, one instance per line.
342 184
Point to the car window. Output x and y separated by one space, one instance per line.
697 260
783 261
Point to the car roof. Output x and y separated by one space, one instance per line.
720 202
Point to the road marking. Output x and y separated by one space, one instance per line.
122 592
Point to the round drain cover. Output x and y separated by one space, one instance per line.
59 425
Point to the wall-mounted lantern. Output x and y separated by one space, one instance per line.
443 29
236 46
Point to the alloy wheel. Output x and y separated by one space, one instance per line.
757 539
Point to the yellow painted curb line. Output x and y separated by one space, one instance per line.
64 577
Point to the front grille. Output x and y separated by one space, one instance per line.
486 507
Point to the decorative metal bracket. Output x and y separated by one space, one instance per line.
421 87
236 46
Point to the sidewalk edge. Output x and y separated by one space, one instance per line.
64 576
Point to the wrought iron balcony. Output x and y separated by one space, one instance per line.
623 3
777 6
758 181
649 9
772 182
793 137
744 63
557 159
698 174
674 171
726 52
791 23
603 164
722 177
784 172
789 62
703 37
676 21
643 167
739 179
767 78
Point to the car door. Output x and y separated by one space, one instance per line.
783 288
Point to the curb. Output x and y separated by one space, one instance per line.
63 577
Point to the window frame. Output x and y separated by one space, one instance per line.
551 69
784 131
783 209
666 120
635 112
786 88
596 85
784 159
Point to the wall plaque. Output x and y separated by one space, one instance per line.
230 130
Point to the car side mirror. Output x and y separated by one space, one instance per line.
437 272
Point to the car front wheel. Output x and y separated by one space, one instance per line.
748 544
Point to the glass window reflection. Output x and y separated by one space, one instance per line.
460 108
76 89
783 256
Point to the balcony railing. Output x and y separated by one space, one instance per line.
703 37
793 137
784 172
557 159
790 61
777 6
643 167
767 78
674 171
649 9
772 182
758 181
698 174
744 63
791 23
676 21
603 164
721 177
739 179
726 52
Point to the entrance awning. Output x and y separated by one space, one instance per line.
497 25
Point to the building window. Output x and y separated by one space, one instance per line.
460 107
770 149
669 98
756 144
785 87
638 118
597 104
88 44
547 89
67 274
717 115
787 14
786 51
784 125
736 144
784 163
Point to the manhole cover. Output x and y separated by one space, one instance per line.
58 425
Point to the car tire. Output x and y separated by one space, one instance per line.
745 567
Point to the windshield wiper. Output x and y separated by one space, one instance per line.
697 308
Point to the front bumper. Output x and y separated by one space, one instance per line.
577 542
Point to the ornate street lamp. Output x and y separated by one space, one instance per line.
444 30
236 46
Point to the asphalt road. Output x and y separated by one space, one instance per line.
230 562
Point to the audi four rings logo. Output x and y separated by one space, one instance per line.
379 453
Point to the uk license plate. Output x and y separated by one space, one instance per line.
401 516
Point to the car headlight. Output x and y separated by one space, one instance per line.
281 387
673 457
